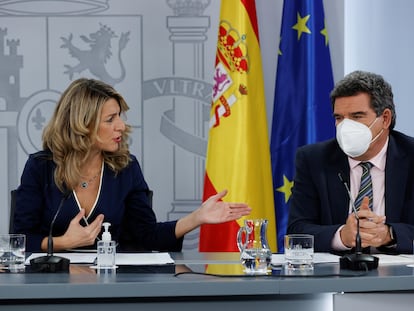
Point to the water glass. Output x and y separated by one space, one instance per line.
12 251
299 251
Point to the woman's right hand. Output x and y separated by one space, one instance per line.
77 235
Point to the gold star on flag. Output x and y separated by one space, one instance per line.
286 188
280 51
300 26
324 33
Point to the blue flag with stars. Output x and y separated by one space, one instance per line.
302 111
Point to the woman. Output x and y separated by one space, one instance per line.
86 166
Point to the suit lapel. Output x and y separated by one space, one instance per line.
396 174
337 163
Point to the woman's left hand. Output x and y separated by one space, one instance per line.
214 211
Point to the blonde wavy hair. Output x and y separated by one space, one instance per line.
72 130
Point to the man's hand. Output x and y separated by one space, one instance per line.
374 232
372 228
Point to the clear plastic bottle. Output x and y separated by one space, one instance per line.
106 249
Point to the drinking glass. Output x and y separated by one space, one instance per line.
12 251
299 251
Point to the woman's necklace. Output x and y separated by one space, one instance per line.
85 184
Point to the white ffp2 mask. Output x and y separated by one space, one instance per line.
353 137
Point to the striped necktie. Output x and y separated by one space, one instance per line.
365 189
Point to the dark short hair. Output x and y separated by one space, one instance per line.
374 85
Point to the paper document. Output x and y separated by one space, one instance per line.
73 257
133 259
394 259
279 259
138 259
384 259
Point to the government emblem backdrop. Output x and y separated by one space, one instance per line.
154 52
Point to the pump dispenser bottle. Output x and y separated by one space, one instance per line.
106 249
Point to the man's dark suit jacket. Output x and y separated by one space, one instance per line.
319 204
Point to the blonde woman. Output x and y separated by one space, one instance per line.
86 165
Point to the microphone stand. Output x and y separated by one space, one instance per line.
357 260
50 262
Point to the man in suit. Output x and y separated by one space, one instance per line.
321 205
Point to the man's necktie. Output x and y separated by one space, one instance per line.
365 189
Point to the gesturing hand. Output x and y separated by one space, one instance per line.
77 236
214 211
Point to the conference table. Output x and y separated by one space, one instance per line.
184 285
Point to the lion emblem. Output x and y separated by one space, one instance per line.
95 58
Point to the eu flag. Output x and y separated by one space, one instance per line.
302 112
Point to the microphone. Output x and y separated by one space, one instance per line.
358 260
50 262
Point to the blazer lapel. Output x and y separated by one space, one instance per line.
337 164
396 175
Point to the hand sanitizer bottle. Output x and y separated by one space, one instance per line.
106 249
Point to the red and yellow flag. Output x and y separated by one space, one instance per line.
238 152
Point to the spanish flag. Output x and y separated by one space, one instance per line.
238 152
